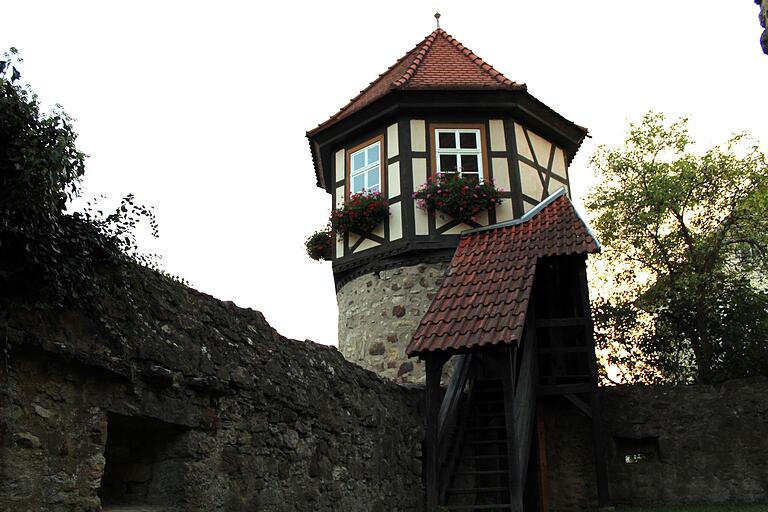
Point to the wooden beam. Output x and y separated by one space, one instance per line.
509 379
434 370
561 389
603 492
562 322
543 470
601 470
579 403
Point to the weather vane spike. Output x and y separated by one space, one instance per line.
437 17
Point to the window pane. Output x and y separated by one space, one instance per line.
373 178
373 154
468 140
446 140
374 188
447 163
358 160
358 183
469 163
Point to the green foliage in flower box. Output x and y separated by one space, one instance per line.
319 245
362 212
462 198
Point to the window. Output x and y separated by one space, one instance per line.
459 151
365 169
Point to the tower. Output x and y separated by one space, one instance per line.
439 108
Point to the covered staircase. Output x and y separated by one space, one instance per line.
479 478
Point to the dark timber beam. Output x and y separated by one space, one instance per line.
601 470
434 370
579 403
542 459
509 383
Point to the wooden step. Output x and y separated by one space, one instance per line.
482 473
499 414
487 402
500 507
478 490
483 457
486 428
487 441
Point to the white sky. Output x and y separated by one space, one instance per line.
200 109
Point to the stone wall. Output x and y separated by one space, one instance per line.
666 444
198 405
378 314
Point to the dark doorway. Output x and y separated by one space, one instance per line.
143 465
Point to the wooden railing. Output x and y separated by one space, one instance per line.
450 422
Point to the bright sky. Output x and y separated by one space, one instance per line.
200 109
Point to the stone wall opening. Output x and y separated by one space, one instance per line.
636 451
143 465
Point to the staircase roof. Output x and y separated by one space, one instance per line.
439 62
484 298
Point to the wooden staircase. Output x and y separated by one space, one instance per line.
478 469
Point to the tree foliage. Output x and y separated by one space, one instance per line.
45 251
686 237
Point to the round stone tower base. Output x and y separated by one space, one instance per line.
378 314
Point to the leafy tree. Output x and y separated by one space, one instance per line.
686 241
44 251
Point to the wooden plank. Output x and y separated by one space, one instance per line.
543 469
579 403
603 492
525 401
601 470
561 389
562 322
509 379
434 369
565 350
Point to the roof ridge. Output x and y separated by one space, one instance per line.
426 44
375 81
525 218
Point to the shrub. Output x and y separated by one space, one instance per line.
461 198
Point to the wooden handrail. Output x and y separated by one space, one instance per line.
449 425
452 398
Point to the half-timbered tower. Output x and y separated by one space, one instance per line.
513 313
440 108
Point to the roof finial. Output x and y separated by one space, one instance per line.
437 17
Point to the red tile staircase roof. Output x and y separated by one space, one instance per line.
484 298
439 62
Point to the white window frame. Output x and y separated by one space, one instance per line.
457 152
364 170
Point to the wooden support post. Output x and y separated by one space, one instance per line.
434 369
542 458
598 439
603 495
509 380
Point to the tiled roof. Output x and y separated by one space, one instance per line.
484 298
439 62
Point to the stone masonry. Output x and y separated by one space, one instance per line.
192 404
665 444
378 314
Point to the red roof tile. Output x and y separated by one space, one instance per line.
439 62
484 298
